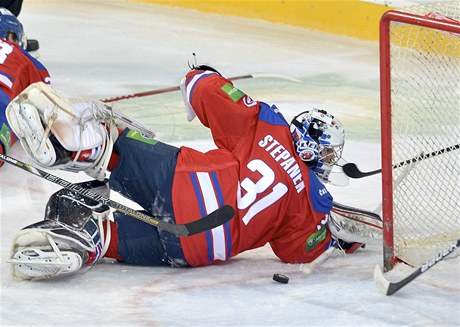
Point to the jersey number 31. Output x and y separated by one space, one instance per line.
249 200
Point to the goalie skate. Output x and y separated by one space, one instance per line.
33 263
71 236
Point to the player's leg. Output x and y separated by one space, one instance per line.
141 244
145 174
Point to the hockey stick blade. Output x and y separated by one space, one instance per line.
389 288
177 88
212 220
351 170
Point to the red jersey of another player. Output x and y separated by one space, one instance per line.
18 69
255 169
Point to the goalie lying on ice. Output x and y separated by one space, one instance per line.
270 171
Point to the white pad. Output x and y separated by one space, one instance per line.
34 256
73 124
39 111
26 124
35 264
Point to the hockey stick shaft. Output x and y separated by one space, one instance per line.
177 88
308 268
389 288
214 219
351 170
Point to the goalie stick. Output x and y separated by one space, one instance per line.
177 88
351 170
389 288
212 220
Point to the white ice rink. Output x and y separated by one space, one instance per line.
102 49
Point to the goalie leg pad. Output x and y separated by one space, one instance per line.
63 134
27 126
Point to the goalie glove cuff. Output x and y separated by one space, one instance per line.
206 67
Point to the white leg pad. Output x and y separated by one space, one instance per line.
55 131
27 125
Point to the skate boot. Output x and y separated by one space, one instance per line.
71 237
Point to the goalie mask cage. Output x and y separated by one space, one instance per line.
420 118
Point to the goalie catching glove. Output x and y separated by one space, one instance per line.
60 134
352 227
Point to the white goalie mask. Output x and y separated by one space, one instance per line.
319 139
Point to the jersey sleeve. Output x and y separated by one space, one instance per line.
220 106
298 242
39 73
18 70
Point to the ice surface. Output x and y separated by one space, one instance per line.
100 49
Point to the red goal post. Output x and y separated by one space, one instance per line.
420 114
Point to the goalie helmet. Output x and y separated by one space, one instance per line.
9 24
318 139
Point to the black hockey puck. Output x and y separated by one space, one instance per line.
283 279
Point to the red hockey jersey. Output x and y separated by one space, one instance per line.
18 69
255 169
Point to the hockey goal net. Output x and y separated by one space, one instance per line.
420 121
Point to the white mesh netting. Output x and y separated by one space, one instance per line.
425 120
